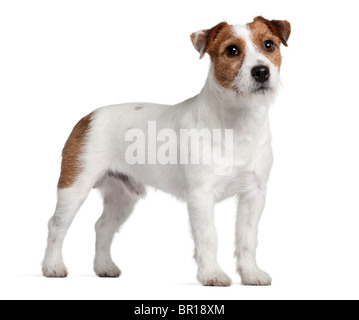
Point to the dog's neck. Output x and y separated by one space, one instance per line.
224 108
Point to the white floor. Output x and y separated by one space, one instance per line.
81 287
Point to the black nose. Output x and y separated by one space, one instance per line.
261 73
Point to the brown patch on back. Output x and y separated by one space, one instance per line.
138 108
70 165
276 30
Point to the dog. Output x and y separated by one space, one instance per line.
242 82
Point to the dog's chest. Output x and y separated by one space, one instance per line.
248 169
237 182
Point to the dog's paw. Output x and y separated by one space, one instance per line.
107 269
214 279
255 277
54 270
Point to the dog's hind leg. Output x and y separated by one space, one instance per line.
68 203
79 173
120 194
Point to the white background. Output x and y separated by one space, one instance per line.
59 60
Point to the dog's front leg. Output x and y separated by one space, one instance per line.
250 208
201 213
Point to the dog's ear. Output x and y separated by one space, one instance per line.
202 40
281 28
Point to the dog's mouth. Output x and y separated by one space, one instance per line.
254 89
262 88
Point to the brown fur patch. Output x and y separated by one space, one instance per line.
276 30
138 107
260 33
71 166
225 68
203 39
213 34
281 28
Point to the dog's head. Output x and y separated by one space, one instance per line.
245 58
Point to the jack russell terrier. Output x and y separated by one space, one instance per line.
242 83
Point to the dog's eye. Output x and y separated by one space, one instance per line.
269 45
232 51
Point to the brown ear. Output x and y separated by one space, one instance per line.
202 40
281 28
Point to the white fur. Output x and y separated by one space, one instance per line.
215 107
